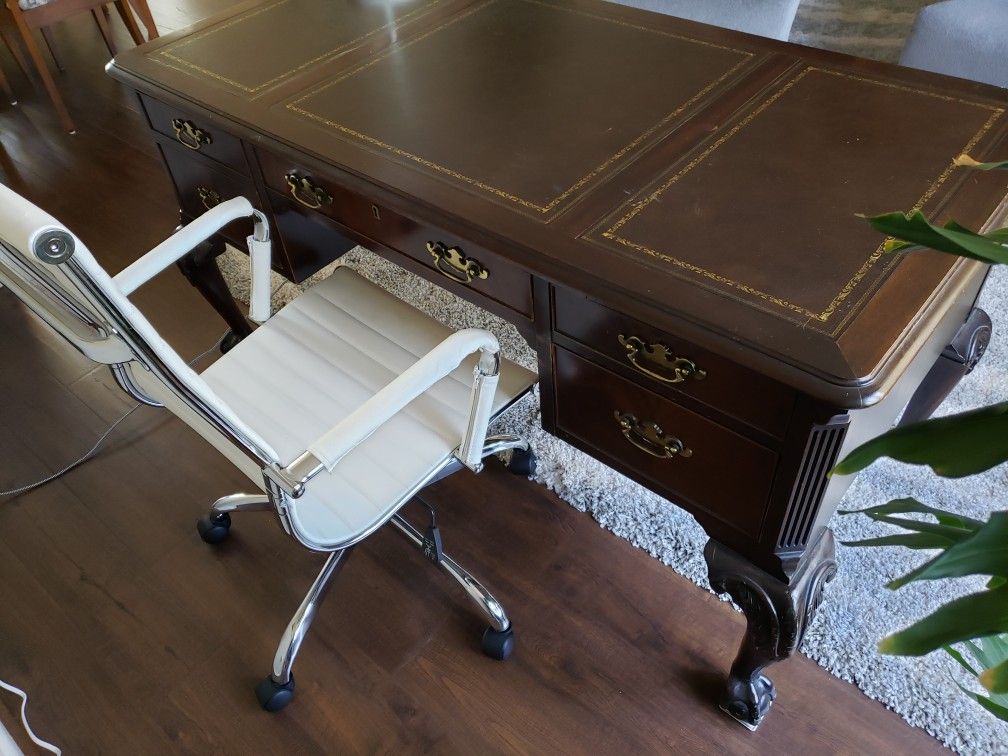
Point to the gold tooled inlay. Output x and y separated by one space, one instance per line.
483 185
639 205
170 52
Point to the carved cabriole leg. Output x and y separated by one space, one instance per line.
776 575
777 613
200 267
957 360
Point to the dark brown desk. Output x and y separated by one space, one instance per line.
664 209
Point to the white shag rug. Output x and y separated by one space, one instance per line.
858 609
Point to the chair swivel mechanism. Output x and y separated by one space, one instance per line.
339 408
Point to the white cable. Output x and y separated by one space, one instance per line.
94 449
24 718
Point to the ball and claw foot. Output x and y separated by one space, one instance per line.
273 696
214 529
748 703
230 340
521 462
498 644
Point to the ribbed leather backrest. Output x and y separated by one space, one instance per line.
58 278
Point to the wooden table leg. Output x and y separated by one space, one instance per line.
777 573
46 33
16 53
143 11
777 613
200 267
956 362
6 87
130 21
43 72
106 30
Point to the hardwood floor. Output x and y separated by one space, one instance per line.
131 635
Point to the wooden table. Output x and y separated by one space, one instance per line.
665 210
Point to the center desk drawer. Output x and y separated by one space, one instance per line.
671 365
466 264
689 459
195 134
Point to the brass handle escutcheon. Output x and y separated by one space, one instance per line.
679 368
307 192
190 135
208 196
455 265
650 438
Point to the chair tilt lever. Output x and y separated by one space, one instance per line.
498 638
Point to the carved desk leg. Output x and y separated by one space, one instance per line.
777 613
200 267
955 362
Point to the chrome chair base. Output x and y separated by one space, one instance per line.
277 690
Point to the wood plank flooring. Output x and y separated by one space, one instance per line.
132 636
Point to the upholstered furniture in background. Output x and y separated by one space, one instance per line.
964 38
767 18
24 16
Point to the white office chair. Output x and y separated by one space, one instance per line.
340 407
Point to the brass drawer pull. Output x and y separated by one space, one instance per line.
650 438
190 135
680 368
208 197
455 265
307 192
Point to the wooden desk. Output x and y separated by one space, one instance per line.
664 209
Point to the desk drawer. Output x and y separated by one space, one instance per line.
674 366
201 186
461 265
687 458
193 133
310 239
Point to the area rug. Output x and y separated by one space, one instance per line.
858 609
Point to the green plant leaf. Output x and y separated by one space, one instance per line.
954 653
914 231
953 446
995 679
910 505
972 616
985 552
910 540
965 161
999 711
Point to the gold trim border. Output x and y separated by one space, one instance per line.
849 287
484 186
189 66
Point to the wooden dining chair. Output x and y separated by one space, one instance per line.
25 16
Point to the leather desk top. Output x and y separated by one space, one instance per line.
701 179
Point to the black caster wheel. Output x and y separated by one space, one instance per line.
230 340
522 462
214 528
273 696
498 644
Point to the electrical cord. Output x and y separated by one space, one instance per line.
38 483
24 718
97 446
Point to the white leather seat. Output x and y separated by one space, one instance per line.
320 358
340 407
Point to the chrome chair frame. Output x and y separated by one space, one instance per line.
105 333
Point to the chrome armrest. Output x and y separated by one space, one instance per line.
326 452
187 238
